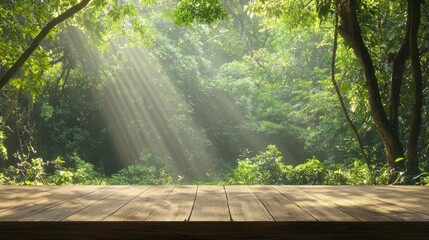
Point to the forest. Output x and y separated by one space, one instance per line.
214 92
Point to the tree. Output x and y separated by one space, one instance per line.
350 12
350 30
36 42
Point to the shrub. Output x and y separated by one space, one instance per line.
140 174
267 168
81 173
311 172
264 168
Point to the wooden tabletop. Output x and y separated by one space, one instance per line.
21 206
214 203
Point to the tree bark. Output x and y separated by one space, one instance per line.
416 114
351 32
36 41
340 98
397 73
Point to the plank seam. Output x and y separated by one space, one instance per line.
61 202
90 204
263 204
330 203
296 204
123 205
360 193
193 204
11 208
155 209
227 203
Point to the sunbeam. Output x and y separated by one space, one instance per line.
140 111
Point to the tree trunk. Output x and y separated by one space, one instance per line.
416 114
397 73
351 32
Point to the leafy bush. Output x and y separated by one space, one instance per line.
140 174
245 173
267 168
82 173
264 168
311 172
38 172
25 173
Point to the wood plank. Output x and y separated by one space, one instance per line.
359 208
210 204
416 191
65 209
214 203
103 208
177 206
15 196
214 230
245 206
408 201
55 196
317 208
142 206
280 207
391 208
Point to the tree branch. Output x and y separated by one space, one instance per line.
340 98
351 32
36 41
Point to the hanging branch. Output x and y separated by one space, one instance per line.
36 41
340 98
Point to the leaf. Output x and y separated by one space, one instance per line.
399 159
26 72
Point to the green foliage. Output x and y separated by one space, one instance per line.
196 95
150 168
311 172
32 173
295 13
245 173
84 172
264 168
201 11
36 172
267 168
3 150
141 175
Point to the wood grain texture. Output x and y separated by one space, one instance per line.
42 200
280 207
142 206
320 210
245 206
210 204
421 192
105 207
410 202
214 203
346 202
177 206
215 230
67 208
376 206
14 196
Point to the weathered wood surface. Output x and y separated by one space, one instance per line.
212 212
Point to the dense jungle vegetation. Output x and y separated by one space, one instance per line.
214 92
